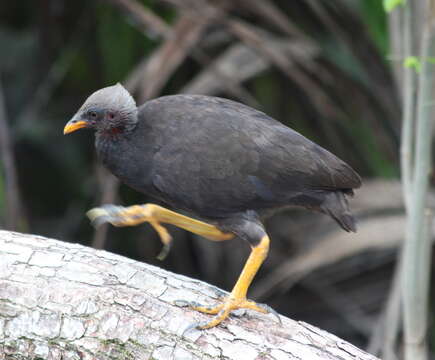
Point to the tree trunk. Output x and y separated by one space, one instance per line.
66 301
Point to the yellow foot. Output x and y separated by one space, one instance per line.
223 310
131 216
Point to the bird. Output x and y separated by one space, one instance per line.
218 167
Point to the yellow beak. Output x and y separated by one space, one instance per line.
74 125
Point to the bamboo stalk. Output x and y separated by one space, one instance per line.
393 315
417 243
408 113
384 337
402 46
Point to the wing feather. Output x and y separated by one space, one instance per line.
220 154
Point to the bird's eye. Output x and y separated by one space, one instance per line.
93 114
111 115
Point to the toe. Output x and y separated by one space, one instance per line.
164 252
98 216
184 303
196 325
105 214
208 309
199 307
221 316
262 308
220 294
269 310
124 216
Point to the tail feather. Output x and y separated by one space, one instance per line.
337 206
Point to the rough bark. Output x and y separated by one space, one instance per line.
65 301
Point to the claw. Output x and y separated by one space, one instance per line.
184 303
197 326
271 311
164 252
98 216
219 293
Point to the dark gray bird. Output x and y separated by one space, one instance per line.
218 160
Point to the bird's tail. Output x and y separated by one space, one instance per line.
337 206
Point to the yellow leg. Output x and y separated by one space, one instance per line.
237 298
155 215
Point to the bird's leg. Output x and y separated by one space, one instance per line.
237 298
155 215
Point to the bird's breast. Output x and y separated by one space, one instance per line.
127 161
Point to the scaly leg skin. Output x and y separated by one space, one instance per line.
237 298
155 215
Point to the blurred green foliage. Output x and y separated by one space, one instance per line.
121 42
390 5
373 14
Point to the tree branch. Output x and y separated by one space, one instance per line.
62 300
152 73
144 18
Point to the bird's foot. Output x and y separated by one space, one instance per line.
223 310
131 216
115 215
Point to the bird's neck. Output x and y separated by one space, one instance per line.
109 138
110 146
115 133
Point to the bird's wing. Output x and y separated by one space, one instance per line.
217 150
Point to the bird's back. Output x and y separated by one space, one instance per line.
214 156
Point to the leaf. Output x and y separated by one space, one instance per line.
412 62
390 5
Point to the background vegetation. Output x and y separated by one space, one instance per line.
328 69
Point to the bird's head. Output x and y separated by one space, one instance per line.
108 110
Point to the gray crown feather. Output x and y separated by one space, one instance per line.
114 97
